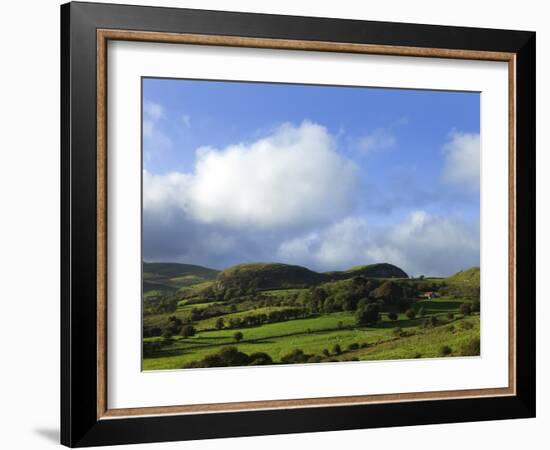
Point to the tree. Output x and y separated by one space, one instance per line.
220 323
392 316
167 333
368 315
238 336
445 350
336 349
388 291
466 309
410 313
295 356
188 331
476 306
471 348
260 359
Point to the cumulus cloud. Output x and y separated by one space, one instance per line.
294 177
462 160
420 244
379 139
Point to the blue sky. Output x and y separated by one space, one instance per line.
322 176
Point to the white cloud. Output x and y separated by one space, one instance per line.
420 244
379 139
163 195
340 245
152 113
155 140
462 160
294 177
430 245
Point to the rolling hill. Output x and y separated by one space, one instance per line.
172 276
267 276
470 276
283 276
465 283
380 270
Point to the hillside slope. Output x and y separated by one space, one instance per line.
171 276
283 276
380 270
267 276
465 283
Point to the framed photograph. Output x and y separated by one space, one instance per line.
277 224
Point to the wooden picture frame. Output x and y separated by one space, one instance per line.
86 418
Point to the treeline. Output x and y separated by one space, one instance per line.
348 295
230 356
252 320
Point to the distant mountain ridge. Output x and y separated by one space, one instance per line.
173 276
281 276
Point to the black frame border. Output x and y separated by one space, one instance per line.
79 424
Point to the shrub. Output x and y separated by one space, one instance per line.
397 331
188 331
421 312
445 350
434 321
314 359
417 355
465 325
151 347
238 336
466 308
294 357
392 316
471 348
450 316
368 314
220 323
228 356
450 328
476 306
336 350
232 357
353 346
260 359
151 332
410 313
326 352
167 333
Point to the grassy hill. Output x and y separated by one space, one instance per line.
465 283
265 276
471 276
280 314
268 276
380 270
169 277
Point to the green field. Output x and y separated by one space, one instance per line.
293 315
